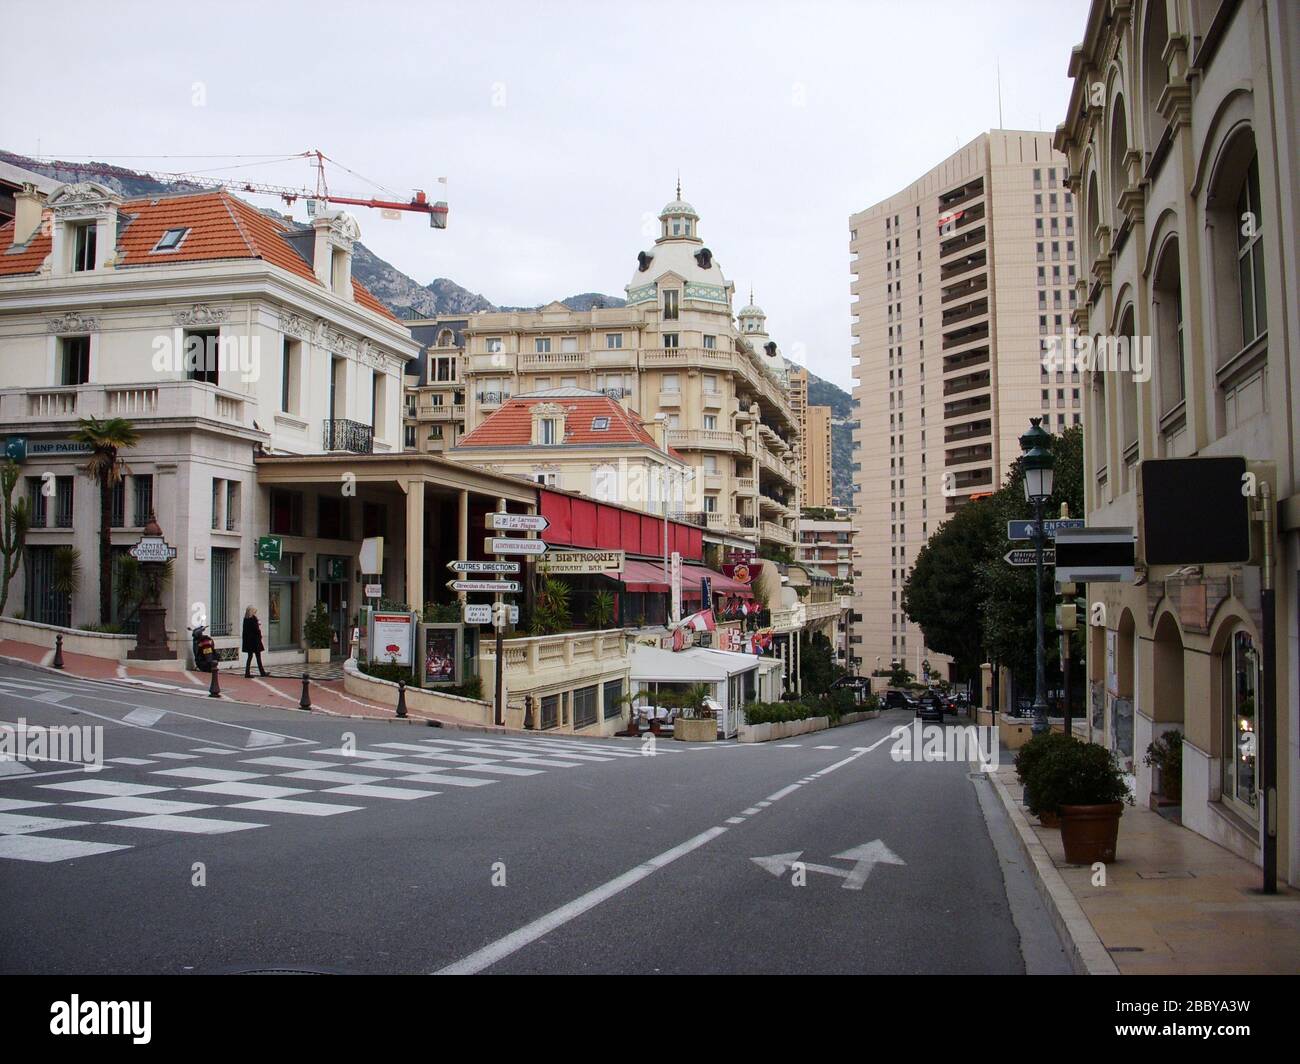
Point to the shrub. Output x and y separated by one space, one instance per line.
1030 755
471 688
1077 773
1166 754
600 614
317 629
388 671
441 613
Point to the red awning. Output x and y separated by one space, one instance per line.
643 576
722 585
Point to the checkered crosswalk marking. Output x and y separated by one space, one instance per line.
186 795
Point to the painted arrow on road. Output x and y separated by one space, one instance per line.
864 858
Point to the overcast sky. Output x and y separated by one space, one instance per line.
560 126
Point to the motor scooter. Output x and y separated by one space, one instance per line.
205 649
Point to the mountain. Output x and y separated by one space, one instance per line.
407 298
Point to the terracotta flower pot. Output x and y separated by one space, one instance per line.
1089 832
1049 820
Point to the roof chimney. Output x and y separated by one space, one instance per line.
28 205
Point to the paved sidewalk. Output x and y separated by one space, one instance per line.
1174 903
327 696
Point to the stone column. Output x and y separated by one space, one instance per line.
415 544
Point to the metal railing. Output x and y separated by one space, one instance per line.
341 434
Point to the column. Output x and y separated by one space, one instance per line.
462 532
415 544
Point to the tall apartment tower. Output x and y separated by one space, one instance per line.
817 458
957 282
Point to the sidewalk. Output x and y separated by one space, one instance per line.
1174 903
327 696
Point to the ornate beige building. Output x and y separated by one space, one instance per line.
717 385
1182 139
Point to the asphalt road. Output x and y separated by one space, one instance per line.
221 837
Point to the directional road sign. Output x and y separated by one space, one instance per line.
502 545
864 859
1025 556
483 567
518 522
1025 529
505 587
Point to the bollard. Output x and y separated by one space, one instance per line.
401 698
305 701
58 651
214 688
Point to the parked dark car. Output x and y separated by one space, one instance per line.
931 707
897 700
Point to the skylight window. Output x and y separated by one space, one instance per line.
170 240
600 424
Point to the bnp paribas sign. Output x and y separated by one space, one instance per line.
18 448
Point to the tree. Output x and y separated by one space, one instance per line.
817 668
13 529
106 438
942 593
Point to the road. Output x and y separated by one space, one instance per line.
219 837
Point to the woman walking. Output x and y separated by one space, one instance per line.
252 642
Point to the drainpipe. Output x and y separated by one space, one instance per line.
1268 692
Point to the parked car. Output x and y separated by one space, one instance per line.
931 706
897 700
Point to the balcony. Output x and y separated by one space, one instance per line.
441 412
967 334
967 383
776 533
541 361
972 430
486 399
713 400
166 399
342 434
957 267
706 440
976 404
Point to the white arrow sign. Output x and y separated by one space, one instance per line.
483 567
502 545
518 522
509 587
864 858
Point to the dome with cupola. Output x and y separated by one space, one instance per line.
678 251
752 319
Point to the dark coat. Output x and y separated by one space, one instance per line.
252 642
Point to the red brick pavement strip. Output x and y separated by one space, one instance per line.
327 696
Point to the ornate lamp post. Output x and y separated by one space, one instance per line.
1037 462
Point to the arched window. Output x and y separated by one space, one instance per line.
1100 428
446 338
1167 313
1155 74
1236 247
1118 150
1250 257
1093 219
1239 720
1128 397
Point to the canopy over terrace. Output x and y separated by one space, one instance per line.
442 507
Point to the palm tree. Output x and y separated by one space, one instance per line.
106 469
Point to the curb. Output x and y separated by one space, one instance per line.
1088 956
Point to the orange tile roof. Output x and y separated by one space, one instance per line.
221 227
512 425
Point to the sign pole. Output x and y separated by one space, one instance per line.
498 693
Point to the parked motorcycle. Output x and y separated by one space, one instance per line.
205 649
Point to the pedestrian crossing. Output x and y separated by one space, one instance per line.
186 793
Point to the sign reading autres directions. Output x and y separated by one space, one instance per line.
864 858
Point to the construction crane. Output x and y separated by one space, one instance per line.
419 203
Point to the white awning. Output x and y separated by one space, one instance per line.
696 665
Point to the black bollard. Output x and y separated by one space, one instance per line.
401 698
305 701
214 688
58 651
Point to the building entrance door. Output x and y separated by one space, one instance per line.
332 589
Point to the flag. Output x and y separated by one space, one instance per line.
679 639
744 609
700 622
948 222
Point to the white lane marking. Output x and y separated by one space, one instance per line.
212 750
761 805
139 805
783 792
144 717
322 775
198 772
495 770
517 940
825 747
46 850
280 694
179 757
108 787
735 820
283 762
14 803
397 768
459 759
544 762
354 755
789 746
188 825
363 790
23 823
285 805
248 790
448 781
131 761
750 811
14 768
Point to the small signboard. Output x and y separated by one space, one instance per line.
531 548
481 613
518 522
374 591
1025 529
439 654
1026 556
152 549
269 548
483 567
570 562
503 587
392 638
1096 556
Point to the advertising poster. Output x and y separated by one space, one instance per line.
390 638
439 656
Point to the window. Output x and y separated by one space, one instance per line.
550 711
200 347
74 360
613 692
548 431
1250 257
1240 693
36 507
143 485
542 345
670 340
493 344
63 502
232 505
710 383
286 513
170 240
670 304
290 369
569 344
710 504
223 564
670 383
711 422
332 518
584 706
600 424
613 341
83 247
710 343
408 437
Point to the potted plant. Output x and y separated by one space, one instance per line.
1082 782
1165 756
1027 757
695 723
600 614
319 634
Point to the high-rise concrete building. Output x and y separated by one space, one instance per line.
817 457
957 282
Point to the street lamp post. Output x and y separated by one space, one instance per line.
1037 461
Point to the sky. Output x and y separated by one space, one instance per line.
560 128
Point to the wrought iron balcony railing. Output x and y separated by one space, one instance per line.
342 434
